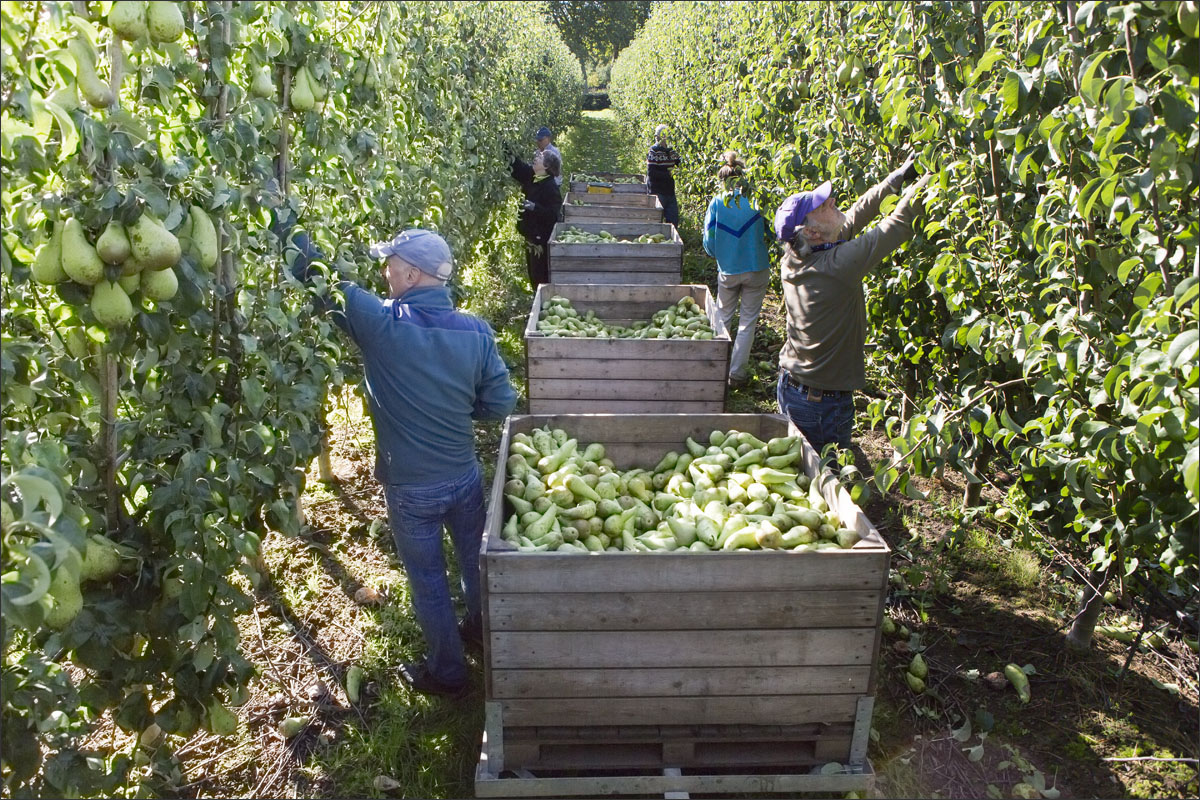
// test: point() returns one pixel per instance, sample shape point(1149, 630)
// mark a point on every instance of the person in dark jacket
point(659, 180)
point(540, 211)
point(430, 370)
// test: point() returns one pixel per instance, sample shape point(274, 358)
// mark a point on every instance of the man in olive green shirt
point(827, 254)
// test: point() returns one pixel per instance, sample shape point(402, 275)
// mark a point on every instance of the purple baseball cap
point(791, 214)
point(424, 249)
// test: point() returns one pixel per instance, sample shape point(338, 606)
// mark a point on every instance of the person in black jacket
point(539, 212)
point(659, 180)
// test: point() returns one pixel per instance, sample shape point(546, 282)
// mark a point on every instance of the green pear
point(130, 283)
point(262, 85)
point(164, 22)
point(128, 19)
point(66, 599)
point(918, 667)
point(95, 91)
point(111, 305)
point(315, 86)
point(47, 265)
point(78, 344)
point(101, 560)
point(113, 244)
point(302, 96)
point(153, 246)
point(159, 284)
point(79, 258)
point(203, 238)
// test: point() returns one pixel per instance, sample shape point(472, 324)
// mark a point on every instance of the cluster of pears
point(307, 92)
point(130, 20)
point(100, 562)
point(365, 74)
point(145, 251)
point(136, 19)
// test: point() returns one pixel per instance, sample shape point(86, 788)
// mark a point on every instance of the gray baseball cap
point(424, 249)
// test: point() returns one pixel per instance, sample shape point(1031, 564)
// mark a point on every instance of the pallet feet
point(676, 783)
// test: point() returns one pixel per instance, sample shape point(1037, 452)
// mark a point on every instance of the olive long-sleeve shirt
point(823, 292)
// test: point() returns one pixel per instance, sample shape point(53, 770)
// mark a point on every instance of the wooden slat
point(679, 682)
point(661, 733)
point(672, 572)
point(625, 261)
point(639, 277)
point(757, 784)
point(788, 709)
point(660, 296)
point(552, 405)
point(603, 214)
point(618, 368)
point(593, 199)
point(542, 347)
point(627, 389)
point(651, 427)
point(678, 649)
point(624, 229)
point(710, 610)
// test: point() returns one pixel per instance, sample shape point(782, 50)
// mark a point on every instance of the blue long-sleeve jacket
point(430, 370)
point(733, 234)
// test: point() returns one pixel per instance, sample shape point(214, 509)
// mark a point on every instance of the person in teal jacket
point(733, 235)
point(430, 371)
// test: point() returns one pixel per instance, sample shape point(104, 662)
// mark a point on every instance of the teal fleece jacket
point(733, 234)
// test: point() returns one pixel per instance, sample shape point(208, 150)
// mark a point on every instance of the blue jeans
point(829, 419)
point(670, 208)
point(416, 513)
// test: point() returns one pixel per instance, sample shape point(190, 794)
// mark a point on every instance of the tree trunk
point(1080, 636)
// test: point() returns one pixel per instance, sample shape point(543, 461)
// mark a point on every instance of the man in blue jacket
point(430, 370)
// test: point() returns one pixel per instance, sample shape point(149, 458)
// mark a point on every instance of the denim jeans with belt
point(823, 416)
point(416, 513)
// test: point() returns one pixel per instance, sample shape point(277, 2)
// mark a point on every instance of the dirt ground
point(966, 615)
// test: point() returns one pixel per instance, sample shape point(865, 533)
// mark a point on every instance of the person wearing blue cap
point(734, 234)
point(827, 254)
point(543, 140)
point(430, 370)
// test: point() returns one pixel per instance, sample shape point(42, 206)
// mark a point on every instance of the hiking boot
point(471, 632)
point(738, 381)
point(419, 679)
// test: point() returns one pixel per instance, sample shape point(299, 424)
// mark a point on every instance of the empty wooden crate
point(628, 660)
point(609, 183)
point(593, 375)
point(617, 262)
point(611, 208)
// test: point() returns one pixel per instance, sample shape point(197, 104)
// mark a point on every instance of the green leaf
point(1091, 84)
point(1184, 348)
point(1013, 92)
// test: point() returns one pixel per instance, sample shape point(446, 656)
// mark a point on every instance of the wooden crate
point(617, 262)
point(613, 208)
point(606, 185)
point(585, 375)
point(670, 660)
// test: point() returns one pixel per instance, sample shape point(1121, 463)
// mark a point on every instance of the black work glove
point(910, 169)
